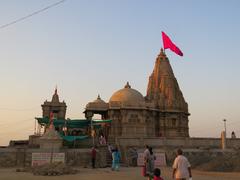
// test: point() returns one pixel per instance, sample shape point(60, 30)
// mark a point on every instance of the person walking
point(93, 155)
point(134, 157)
point(181, 167)
point(150, 164)
point(116, 159)
point(146, 155)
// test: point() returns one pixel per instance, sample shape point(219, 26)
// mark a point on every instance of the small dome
point(99, 100)
point(127, 95)
point(97, 104)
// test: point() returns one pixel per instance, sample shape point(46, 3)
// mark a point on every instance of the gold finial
point(99, 97)
point(127, 85)
point(162, 53)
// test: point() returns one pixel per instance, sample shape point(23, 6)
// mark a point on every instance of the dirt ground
point(107, 174)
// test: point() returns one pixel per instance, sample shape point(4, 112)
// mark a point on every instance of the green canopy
point(74, 123)
point(74, 138)
point(95, 121)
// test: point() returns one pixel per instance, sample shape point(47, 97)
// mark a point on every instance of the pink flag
point(168, 44)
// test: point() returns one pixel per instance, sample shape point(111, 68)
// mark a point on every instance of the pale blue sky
point(90, 47)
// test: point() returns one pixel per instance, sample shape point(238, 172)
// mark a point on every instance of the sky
point(94, 47)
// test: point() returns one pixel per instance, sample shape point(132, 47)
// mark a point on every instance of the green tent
point(74, 138)
point(74, 123)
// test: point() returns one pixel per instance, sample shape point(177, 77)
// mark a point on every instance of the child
point(157, 173)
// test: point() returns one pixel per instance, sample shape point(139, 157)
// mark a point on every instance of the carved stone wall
point(131, 123)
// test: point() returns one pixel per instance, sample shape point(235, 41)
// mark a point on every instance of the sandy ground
point(107, 174)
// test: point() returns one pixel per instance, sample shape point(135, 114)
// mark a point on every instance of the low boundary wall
point(195, 143)
point(192, 147)
point(14, 157)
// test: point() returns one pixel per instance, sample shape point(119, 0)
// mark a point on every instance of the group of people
point(181, 166)
point(115, 155)
point(148, 169)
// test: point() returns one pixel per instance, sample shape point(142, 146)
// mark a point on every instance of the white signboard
point(140, 159)
point(45, 158)
point(160, 159)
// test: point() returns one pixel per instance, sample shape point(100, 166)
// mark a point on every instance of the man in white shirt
point(181, 167)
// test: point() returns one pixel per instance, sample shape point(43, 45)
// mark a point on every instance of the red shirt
point(157, 178)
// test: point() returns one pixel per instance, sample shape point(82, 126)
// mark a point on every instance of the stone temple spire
point(54, 106)
point(163, 89)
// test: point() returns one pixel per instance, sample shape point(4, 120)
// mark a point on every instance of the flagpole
point(162, 42)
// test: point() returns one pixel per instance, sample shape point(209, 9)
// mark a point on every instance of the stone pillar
point(223, 140)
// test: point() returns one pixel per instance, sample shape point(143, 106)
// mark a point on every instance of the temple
point(70, 130)
point(128, 120)
point(55, 106)
point(163, 112)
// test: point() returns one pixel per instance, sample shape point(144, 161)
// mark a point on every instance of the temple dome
point(99, 100)
point(127, 95)
point(97, 104)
